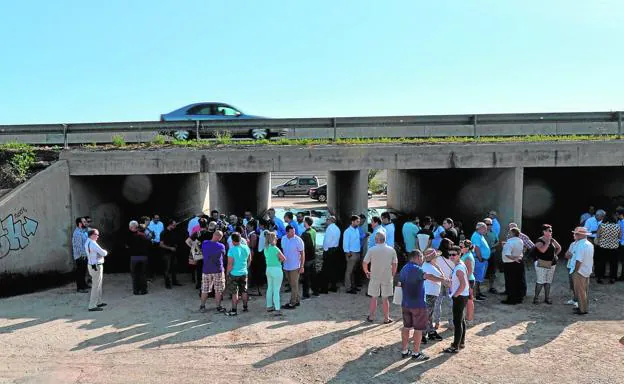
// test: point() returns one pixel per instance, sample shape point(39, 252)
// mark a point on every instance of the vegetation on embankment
point(20, 161)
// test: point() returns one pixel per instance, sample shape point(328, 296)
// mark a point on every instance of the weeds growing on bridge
point(16, 162)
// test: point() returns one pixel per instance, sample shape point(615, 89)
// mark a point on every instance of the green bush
point(119, 141)
point(159, 140)
point(375, 186)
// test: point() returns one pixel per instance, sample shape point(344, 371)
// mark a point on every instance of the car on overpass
point(320, 193)
point(218, 111)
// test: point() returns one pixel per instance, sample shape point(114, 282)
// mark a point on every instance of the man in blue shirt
point(377, 227)
point(289, 219)
point(352, 249)
point(482, 253)
point(410, 230)
point(79, 238)
point(413, 305)
point(239, 259)
point(280, 230)
point(389, 227)
point(496, 228)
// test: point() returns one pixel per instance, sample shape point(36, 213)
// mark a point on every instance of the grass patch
point(15, 146)
point(159, 140)
point(119, 141)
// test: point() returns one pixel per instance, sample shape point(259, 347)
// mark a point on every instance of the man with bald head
point(383, 262)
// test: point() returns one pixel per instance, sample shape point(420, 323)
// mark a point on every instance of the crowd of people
point(430, 265)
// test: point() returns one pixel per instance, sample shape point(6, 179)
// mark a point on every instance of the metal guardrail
point(335, 123)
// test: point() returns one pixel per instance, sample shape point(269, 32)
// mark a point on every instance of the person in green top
point(274, 258)
point(310, 279)
point(239, 258)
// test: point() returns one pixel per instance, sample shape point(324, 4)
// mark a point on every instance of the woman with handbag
point(546, 251)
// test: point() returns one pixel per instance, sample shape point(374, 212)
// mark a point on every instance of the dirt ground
point(50, 337)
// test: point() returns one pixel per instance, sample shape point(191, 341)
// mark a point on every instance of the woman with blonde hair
point(274, 259)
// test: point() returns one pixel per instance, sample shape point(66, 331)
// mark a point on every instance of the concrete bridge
point(531, 182)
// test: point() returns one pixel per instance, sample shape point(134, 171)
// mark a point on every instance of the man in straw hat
point(580, 264)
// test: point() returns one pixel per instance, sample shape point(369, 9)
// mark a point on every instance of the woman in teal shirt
point(274, 258)
point(468, 258)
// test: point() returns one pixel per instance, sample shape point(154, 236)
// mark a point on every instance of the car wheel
point(322, 198)
point(259, 134)
point(281, 193)
point(181, 135)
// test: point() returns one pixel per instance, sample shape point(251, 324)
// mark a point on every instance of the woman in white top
point(95, 255)
point(459, 294)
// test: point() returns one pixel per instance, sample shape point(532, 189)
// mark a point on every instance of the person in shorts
point(239, 258)
point(383, 261)
point(213, 278)
point(413, 306)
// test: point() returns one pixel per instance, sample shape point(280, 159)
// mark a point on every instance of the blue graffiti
point(16, 235)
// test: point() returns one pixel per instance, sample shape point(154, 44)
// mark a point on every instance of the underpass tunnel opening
point(112, 201)
point(465, 195)
point(559, 196)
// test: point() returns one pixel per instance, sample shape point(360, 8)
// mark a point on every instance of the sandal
point(388, 321)
point(450, 349)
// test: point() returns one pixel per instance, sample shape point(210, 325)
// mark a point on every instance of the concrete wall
point(346, 158)
point(36, 224)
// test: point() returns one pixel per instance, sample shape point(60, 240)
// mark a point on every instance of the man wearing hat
point(496, 228)
point(581, 263)
point(492, 239)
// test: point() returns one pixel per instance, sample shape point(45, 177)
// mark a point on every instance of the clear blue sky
point(119, 60)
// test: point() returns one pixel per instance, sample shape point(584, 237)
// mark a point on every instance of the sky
point(125, 60)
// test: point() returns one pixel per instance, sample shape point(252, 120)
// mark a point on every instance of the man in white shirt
point(331, 253)
point(293, 249)
point(352, 249)
point(593, 223)
point(388, 225)
point(156, 228)
point(515, 281)
point(583, 255)
point(95, 258)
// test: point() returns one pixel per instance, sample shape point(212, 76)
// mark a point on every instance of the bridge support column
point(404, 190)
point(236, 192)
point(347, 193)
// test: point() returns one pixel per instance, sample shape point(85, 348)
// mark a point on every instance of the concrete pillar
point(347, 193)
point(404, 190)
point(237, 192)
point(511, 184)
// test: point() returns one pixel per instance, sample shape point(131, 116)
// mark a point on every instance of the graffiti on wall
point(18, 230)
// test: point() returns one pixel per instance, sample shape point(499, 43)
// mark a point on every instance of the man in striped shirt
point(79, 237)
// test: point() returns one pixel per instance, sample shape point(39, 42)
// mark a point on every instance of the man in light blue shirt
point(593, 223)
point(389, 227)
point(293, 249)
point(193, 223)
point(300, 223)
point(377, 227)
point(352, 249)
point(410, 231)
point(156, 227)
point(482, 253)
point(438, 231)
point(289, 219)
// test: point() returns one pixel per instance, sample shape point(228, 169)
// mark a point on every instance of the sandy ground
point(50, 337)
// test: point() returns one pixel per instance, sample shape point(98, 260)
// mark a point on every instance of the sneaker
point(202, 308)
point(289, 306)
point(570, 302)
point(232, 312)
point(245, 308)
point(406, 354)
point(221, 309)
point(479, 298)
point(96, 309)
point(434, 336)
point(420, 356)
point(493, 291)
point(101, 305)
